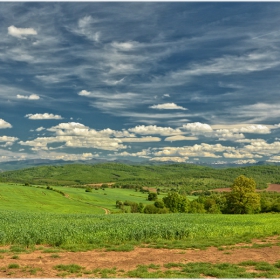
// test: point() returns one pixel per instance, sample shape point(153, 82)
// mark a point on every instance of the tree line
point(242, 199)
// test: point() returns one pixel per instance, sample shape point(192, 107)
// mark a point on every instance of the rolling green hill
point(186, 176)
point(66, 199)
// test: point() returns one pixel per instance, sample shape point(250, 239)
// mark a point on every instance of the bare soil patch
point(273, 188)
point(221, 190)
point(42, 264)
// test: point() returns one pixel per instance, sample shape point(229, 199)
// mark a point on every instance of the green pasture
point(24, 198)
point(77, 200)
point(106, 198)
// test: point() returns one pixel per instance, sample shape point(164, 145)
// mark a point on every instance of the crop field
point(188, 230)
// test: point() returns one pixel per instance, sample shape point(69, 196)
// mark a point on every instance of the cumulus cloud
point(45, 116)
point(21, 32)
point(40, 128)
point(238, 154)
point(4, 124)
point(256, 129)
point(30, 97)
point(226, 134)
point(202, 150)
point(198, 127)
point(167, 106)
point(9, 141)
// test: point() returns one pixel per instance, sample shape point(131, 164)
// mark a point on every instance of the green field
point(76, 200)
point(97, 231)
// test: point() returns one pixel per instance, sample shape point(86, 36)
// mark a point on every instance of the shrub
point(152, 196)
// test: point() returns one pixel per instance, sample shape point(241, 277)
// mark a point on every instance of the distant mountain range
point(21, 164)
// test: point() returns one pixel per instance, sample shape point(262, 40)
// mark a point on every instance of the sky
point(140, 81)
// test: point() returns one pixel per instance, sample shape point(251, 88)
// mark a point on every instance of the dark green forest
point(187, 177)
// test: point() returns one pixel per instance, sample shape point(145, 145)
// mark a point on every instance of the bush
point(159, 204)
point(152, 196)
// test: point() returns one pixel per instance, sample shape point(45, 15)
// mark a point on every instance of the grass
point(13, 265)
point(70, 268)
point(207, 270)
point(55, 256)
point(41, 200)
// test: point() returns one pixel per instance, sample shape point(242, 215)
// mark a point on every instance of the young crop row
point(66, 229)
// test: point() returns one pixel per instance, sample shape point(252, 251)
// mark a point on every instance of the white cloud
point(84, 93)
point(40, 128)
point(113, 82)
point(143, 139)
point(202, 150)
point(274, 159)
point(257, 112)
point(30, 97)
point(153, 129)
point(125, 46)
point(226, 134)
point(238, 154)
point(45, 116)
point(244, 161)
point(8, 139)
point(261, 147)
point(85, 28)
point(174, 159)
point(168, 106)
point(180, 138)
point(198, 127)
point(4, 124)
point(228, 65)
point(143, 154)
point(21, 32)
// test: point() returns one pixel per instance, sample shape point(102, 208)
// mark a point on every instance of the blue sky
point(161, 81)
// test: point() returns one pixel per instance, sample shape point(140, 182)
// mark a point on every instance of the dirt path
point(107, 211)
point(43, 263)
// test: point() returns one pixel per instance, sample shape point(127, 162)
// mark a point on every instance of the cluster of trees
point(243, 199)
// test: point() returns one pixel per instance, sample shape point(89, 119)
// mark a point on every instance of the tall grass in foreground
point(81, 229)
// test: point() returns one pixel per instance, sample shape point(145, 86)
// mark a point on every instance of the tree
point(176, 203)
point(243, 198)
point(152, 196)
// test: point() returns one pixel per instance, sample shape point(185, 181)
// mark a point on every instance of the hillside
point(187, 176)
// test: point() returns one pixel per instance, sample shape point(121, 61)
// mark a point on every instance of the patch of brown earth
point(126, 261)
point(221, 190)
point(273, 188)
